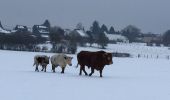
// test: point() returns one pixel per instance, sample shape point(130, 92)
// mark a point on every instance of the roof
point(42, 29)
point(21, 26)
point(4, 31)
point(82, 33)
point(116, 37)
point(41, 26)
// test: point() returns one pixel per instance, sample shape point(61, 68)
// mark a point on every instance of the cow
point(42, 60)
point(94, 60)
point(61, 60)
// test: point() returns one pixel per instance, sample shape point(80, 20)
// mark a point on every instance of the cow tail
point(33, 64)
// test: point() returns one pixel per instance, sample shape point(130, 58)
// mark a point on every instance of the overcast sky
point(148, 15)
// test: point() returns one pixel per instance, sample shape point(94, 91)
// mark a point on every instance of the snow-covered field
point(127, 79)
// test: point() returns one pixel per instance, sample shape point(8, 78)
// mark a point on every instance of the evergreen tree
point(95, 29)
point(102, 40)
point(56, 35)
point(80, 26)
point(112, 30)
point(166, 38)
point(1, 25)
point(47, 23)
point(104, 28)
point(90, 38)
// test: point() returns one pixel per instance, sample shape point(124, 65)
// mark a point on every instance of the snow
point(126, 79)
point(4, 31)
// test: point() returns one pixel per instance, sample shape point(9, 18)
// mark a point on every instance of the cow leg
point(92, 71)
point(45, 67)
point(84, 70)
point(80, 70)
point(101, 73)
point(42, 68)
point(53, 68)
point(63, 68)
point(36, 68)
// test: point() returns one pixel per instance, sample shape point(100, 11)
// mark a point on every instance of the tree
point(56, 35)
point(111, 30)
point(80, 26)
point(166, 38)
point(47, 23)
point(131, 32)
point(1, 25)
point(90, 38)
point(102, 40)
point(95, 29)
point(104, 28)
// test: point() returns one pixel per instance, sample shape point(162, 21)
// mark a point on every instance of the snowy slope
point(126, 79)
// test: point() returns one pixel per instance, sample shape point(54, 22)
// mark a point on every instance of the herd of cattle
point(94, 60)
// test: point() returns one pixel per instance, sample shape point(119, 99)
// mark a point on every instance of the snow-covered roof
point(45, 36)
point(4, 31)
point(41, 26)
point(67, 31)
point(116, 37)
point(82, 33)
point(20, 26)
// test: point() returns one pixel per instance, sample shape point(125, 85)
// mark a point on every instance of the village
point(67, 40)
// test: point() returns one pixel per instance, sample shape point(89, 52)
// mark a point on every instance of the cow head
point(68, 60)
point(108, 58)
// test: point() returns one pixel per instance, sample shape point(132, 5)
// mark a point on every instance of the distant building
point(152, 38)
point(2, 30)
point(117, 38)
point(77, 32)
point(81, 33)
point(41, 30)
point(20, 28)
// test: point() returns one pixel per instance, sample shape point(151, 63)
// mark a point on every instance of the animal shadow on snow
point(68, 74)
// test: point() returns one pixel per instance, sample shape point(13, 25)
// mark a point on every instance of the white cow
point(60, 60)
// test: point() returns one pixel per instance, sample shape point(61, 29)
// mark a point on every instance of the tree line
point(96, 34)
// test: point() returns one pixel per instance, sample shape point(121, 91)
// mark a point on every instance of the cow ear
point(65, 57)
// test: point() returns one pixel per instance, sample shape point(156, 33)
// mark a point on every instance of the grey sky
point(148, 15)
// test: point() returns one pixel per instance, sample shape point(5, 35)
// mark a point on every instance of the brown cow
point(42, 60)
point(94, 60)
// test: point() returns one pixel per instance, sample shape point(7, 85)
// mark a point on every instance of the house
point(2, 30)
point(116, 38)
point(81, 33)
point(41, 30)
point(152, 38)
point(77, 32)
point(20, 28)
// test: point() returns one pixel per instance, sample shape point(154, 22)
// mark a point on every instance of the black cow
point(94, 60)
